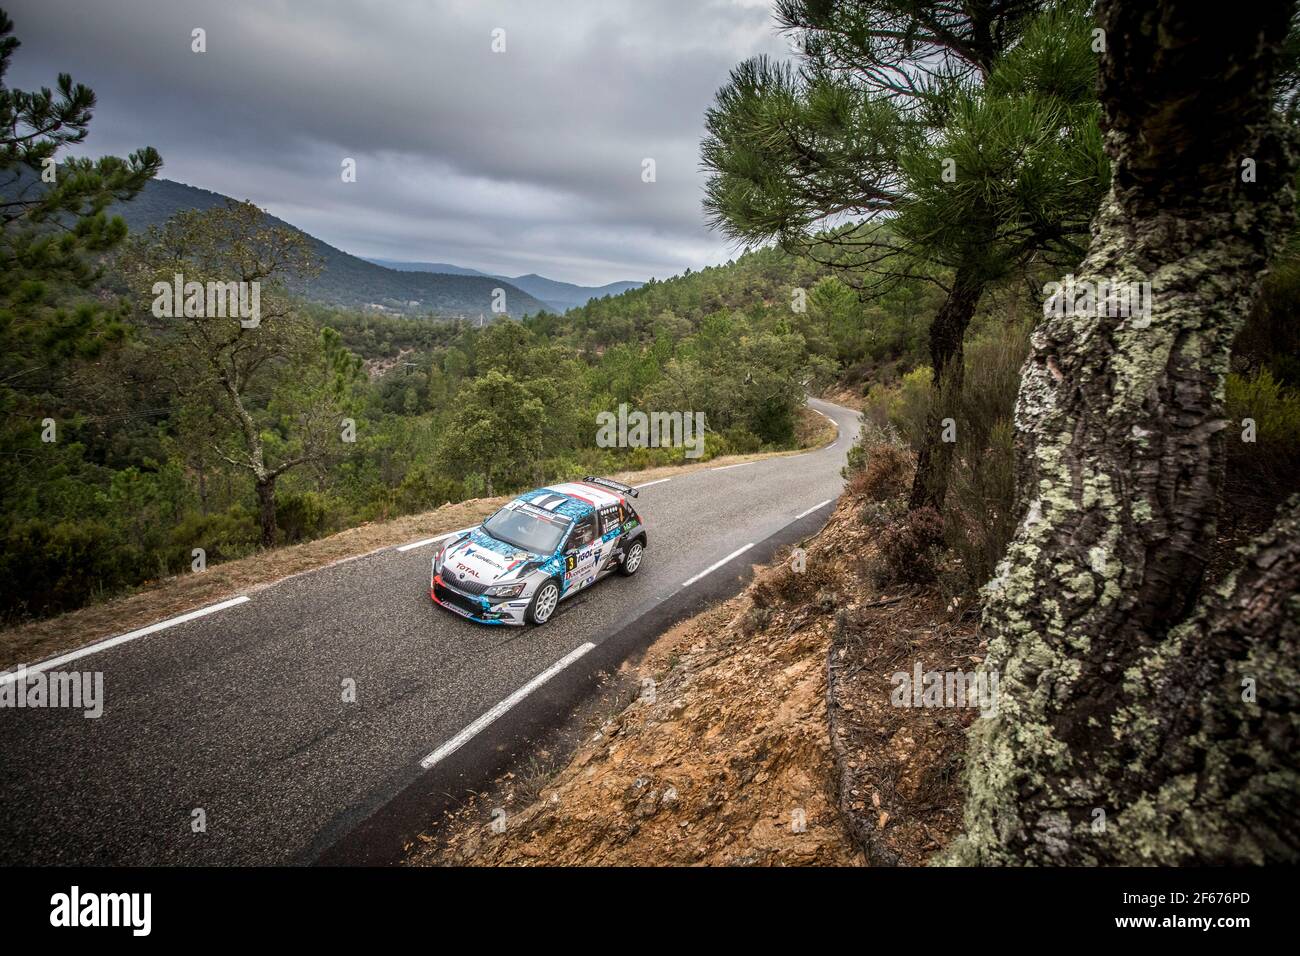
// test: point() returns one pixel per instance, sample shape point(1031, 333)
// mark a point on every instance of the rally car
point(518, 565)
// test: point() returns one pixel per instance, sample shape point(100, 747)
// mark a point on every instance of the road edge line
point(108, 642)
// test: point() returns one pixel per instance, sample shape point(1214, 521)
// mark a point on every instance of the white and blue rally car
point(519, 564)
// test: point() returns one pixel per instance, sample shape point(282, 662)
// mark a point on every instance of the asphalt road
point(240, 713)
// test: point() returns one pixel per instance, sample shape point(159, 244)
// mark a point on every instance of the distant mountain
point(565, 294)
point(560, 296)
point(348, 280)
point(446, 268)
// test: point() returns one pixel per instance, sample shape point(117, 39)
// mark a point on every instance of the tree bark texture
point(1139, 720)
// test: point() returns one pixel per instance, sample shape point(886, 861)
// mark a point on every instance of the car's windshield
point(527, 529)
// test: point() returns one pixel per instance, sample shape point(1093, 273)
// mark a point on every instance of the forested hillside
point(558, 296)
point(344, 280)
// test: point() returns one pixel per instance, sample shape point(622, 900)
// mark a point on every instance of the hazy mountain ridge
point(561, 296)
point(348, 280)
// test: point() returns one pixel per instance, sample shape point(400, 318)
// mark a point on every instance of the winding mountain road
point(240, 713)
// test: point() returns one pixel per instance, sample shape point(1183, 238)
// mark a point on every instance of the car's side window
point(583, 533)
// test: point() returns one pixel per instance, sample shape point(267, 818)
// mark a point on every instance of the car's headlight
point(437, 559)
point(506, 590)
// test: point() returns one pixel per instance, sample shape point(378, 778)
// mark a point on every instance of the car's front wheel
point(544, 602)
point(632, 559)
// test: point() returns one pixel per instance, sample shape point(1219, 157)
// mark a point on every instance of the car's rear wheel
point(544, 602)
point(632, 558)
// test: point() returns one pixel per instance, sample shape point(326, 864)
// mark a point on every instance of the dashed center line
point(713, 567)
point(739, 465)
point(478, 726)
point(804, 514)
point(426, 541)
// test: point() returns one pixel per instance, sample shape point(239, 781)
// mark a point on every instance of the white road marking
point(466, 735)
point(740, 465)
point(421, 544)
point(822, 414)
point(713, 567)
point(658, 481)
point(804, 514)
point(832, 444)
point(121, 639)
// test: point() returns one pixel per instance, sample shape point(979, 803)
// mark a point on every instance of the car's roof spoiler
point(612, 485)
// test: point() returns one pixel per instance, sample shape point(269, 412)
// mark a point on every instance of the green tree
point(496, 432)
point(278, 388)
point(951, 142)
point(54, 229)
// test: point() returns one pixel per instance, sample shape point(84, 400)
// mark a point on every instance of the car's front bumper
point(476, 608)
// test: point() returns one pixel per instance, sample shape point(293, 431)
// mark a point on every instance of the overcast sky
point(528, 160)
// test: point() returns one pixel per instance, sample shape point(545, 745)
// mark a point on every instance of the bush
point(909, 548)
point(979, 510)
point(423, 489)
point(785, 585)
point(50, 567)
point(886, 474)
point(980, 515)
point(301, 516)
point(741, 441)
point(1265, 471)
point(1270, 337)
point(901, 407)
point(223, 536)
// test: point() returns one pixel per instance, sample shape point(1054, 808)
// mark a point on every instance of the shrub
point(1263, 471)
point(742, 441)
point(53, 566)
point(886, 474)
point(223, 536)
point(901, 407)
point(908, 549)
point(424, 488)
point(980, 515)
point(783, 584)
point(301, 516)
point(979, 510)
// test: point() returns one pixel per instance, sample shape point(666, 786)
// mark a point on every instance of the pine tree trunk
point(266, 510)
point(947, 335)
point(1121, 733)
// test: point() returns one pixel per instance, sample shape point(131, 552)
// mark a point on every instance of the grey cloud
point(517, 162)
